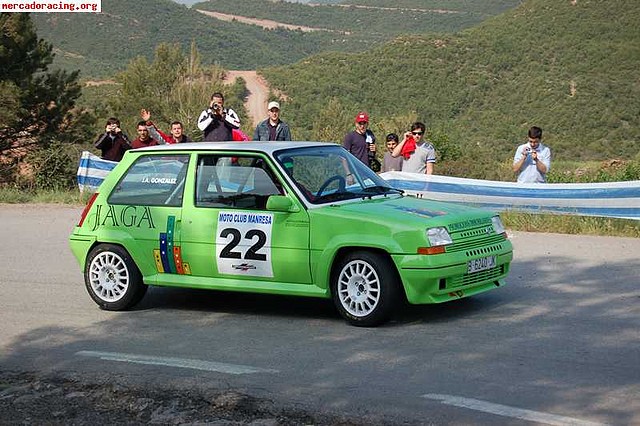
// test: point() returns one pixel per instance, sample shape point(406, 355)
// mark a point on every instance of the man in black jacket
point(113, 142)
point(218, 122)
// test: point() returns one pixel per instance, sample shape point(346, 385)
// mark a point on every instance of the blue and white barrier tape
point(92, 171)
point(609, 199)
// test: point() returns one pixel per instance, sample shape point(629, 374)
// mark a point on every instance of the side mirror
point(281, 203)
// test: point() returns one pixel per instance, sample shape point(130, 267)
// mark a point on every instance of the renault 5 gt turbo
point(288, 218)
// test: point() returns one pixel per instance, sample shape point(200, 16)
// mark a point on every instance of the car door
point(143, 211)
point(228, 234)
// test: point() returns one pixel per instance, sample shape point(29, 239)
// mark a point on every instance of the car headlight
point(497, 225)
point(438, 236)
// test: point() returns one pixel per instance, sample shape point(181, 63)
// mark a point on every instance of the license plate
point(481, 264)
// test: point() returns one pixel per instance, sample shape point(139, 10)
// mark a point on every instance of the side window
point(237, 182)
point(153, 180)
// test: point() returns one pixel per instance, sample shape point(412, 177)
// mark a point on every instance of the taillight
point(87, 208)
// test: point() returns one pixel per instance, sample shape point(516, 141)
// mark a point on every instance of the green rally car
point(291, 218)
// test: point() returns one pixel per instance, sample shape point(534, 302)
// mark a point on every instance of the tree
point(173, 86)
point(37, 107)
point(331, 122)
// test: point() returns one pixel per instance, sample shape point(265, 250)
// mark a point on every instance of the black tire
point(112, 278)
point(365, 288)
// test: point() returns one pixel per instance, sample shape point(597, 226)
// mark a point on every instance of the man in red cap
point(361, 142)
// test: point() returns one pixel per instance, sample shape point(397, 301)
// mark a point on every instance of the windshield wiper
point(379, 189)
point(334, 196)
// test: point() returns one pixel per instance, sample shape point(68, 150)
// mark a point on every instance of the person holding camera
point(218, 122)
point(113, 142)
point(418, 155)
point(532, 160)
point(361, 142)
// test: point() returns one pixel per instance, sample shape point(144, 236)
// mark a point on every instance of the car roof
point(266, 147)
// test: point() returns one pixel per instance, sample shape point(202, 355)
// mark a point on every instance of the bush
point(591, 172)
point(53, 167)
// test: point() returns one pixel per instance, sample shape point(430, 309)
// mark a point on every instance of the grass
point(17, 196)
point(514, 221)
point(564, 224)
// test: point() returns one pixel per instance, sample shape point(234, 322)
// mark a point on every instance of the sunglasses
point(362, 123)
point(417, 133)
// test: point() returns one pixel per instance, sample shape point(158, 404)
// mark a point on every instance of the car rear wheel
point(364, 287)
point(112, 278)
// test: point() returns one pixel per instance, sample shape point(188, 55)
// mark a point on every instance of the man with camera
point(218, 122)
point(532, 160)
point(113, 142)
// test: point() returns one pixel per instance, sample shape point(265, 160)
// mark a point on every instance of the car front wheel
point(365, 288)
point(112, 278)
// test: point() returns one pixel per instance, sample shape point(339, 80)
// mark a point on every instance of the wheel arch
point(343, 251)
point(136, 262)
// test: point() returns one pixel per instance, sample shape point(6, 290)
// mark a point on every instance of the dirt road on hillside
point(256, 101)
point(264, 23)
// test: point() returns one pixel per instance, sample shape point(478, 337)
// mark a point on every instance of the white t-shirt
point(529, 173)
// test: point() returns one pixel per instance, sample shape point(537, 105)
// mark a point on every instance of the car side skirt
point(240, 285)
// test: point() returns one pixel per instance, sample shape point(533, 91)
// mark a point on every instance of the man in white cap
point(272, 129)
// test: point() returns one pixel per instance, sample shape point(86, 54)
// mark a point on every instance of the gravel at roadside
point(28, 399)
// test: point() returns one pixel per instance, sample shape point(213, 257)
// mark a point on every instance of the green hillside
point(100, 44)
point(569, 68)
point(373, 20)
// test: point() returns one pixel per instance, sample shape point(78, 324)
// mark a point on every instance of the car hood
point(412, 211)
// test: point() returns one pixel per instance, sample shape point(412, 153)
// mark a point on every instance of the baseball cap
point(273, 104)
point(362, 116)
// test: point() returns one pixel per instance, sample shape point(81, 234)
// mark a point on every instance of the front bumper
point(439, 284)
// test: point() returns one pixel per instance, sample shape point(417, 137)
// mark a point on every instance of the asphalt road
point(560, 344)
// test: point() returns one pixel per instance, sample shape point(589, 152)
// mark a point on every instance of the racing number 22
point(252, 252)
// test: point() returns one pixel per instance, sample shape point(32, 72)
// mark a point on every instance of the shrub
point(53, 167)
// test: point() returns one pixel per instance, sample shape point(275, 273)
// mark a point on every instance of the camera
point(216, 107)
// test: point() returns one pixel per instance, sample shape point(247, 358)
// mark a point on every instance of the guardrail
point(608, 199)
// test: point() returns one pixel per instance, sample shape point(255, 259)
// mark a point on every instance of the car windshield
point(326, 174)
